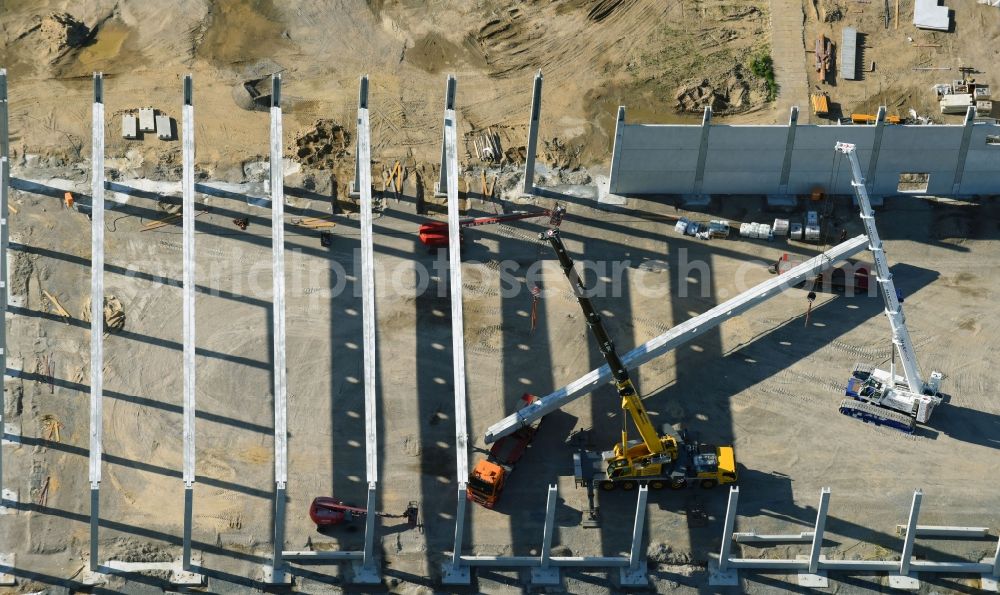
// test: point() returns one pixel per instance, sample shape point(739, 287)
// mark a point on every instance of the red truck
point(489, 476)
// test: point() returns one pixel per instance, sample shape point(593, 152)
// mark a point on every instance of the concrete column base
point(904, 582)
point(275, 576)
point(722, 578)
point(455, 575)
point(8, 502)
point(633, 577)
point(813, 581)
point(11, 433)
point(362, 574)
point(989, 583)
point(7, 561)
point(545, 576)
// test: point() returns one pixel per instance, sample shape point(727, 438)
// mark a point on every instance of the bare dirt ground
point(766, 381)
point(899, 49)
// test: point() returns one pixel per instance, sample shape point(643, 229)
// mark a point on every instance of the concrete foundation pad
point(455, 575)
point(904, 582)
point(11, 433)
point(615, 200)
point(7, 503)
point(275, 576)
point(545, 576)
point(362, 574)
point(7, 562)
point(693, 202)
point(92, 578)
point(989, 583)
point(633, 577)
point(722, 578)
point(813, 581)
point(187, 578)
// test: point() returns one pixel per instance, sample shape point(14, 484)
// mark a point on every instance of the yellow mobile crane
point(660, 460)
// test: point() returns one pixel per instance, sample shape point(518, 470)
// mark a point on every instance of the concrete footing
point(362, 574)
point(633, 577)
point(989, 584)
point(11, 433)
point(722, 578)
point(8, 501)
point(813, 580)
point(275, 576)
point(7, 561)
point(904, 582)
point(546, 576)
point(455, 575)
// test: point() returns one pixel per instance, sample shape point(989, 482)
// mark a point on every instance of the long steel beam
point(677, 336)
point(187, 209)
point(278, 317)
point(96, 312)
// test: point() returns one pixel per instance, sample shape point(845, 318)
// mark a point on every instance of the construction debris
point(824, 53)
point(114, 314)
point(59, 307)
point(51, 427)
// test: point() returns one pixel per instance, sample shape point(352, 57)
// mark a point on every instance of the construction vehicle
point(435, 233)
point(659, 460)
point(870, 119)
point(489, 476)
point(878, 396)
point(326, 512)
point(849, 278)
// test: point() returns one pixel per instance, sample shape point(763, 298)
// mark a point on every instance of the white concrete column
point(536, 109)
point(96, 311)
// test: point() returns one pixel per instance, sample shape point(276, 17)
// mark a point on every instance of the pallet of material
point(849, 54)
point(147, 119)
point(163, 128)
point(927, 14)
point(130, 127)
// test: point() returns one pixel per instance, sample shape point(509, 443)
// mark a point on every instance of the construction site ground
point(768, 381)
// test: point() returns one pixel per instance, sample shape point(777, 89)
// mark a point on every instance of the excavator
point(659, 460)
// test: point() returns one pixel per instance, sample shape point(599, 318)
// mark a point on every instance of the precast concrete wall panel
point(739, 159)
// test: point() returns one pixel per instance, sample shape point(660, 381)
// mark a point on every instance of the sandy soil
point(899, 49)
point(766, 381)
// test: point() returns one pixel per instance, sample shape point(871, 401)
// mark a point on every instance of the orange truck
point(489, 476)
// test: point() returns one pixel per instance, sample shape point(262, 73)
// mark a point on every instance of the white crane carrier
point(878, 396)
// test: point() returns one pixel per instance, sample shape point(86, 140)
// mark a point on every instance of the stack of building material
point(928, 15)
point(824, 53)
point(147, 119)
point(849, 54)
point(780, 227)
point(130, 126)
point(163, 128)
